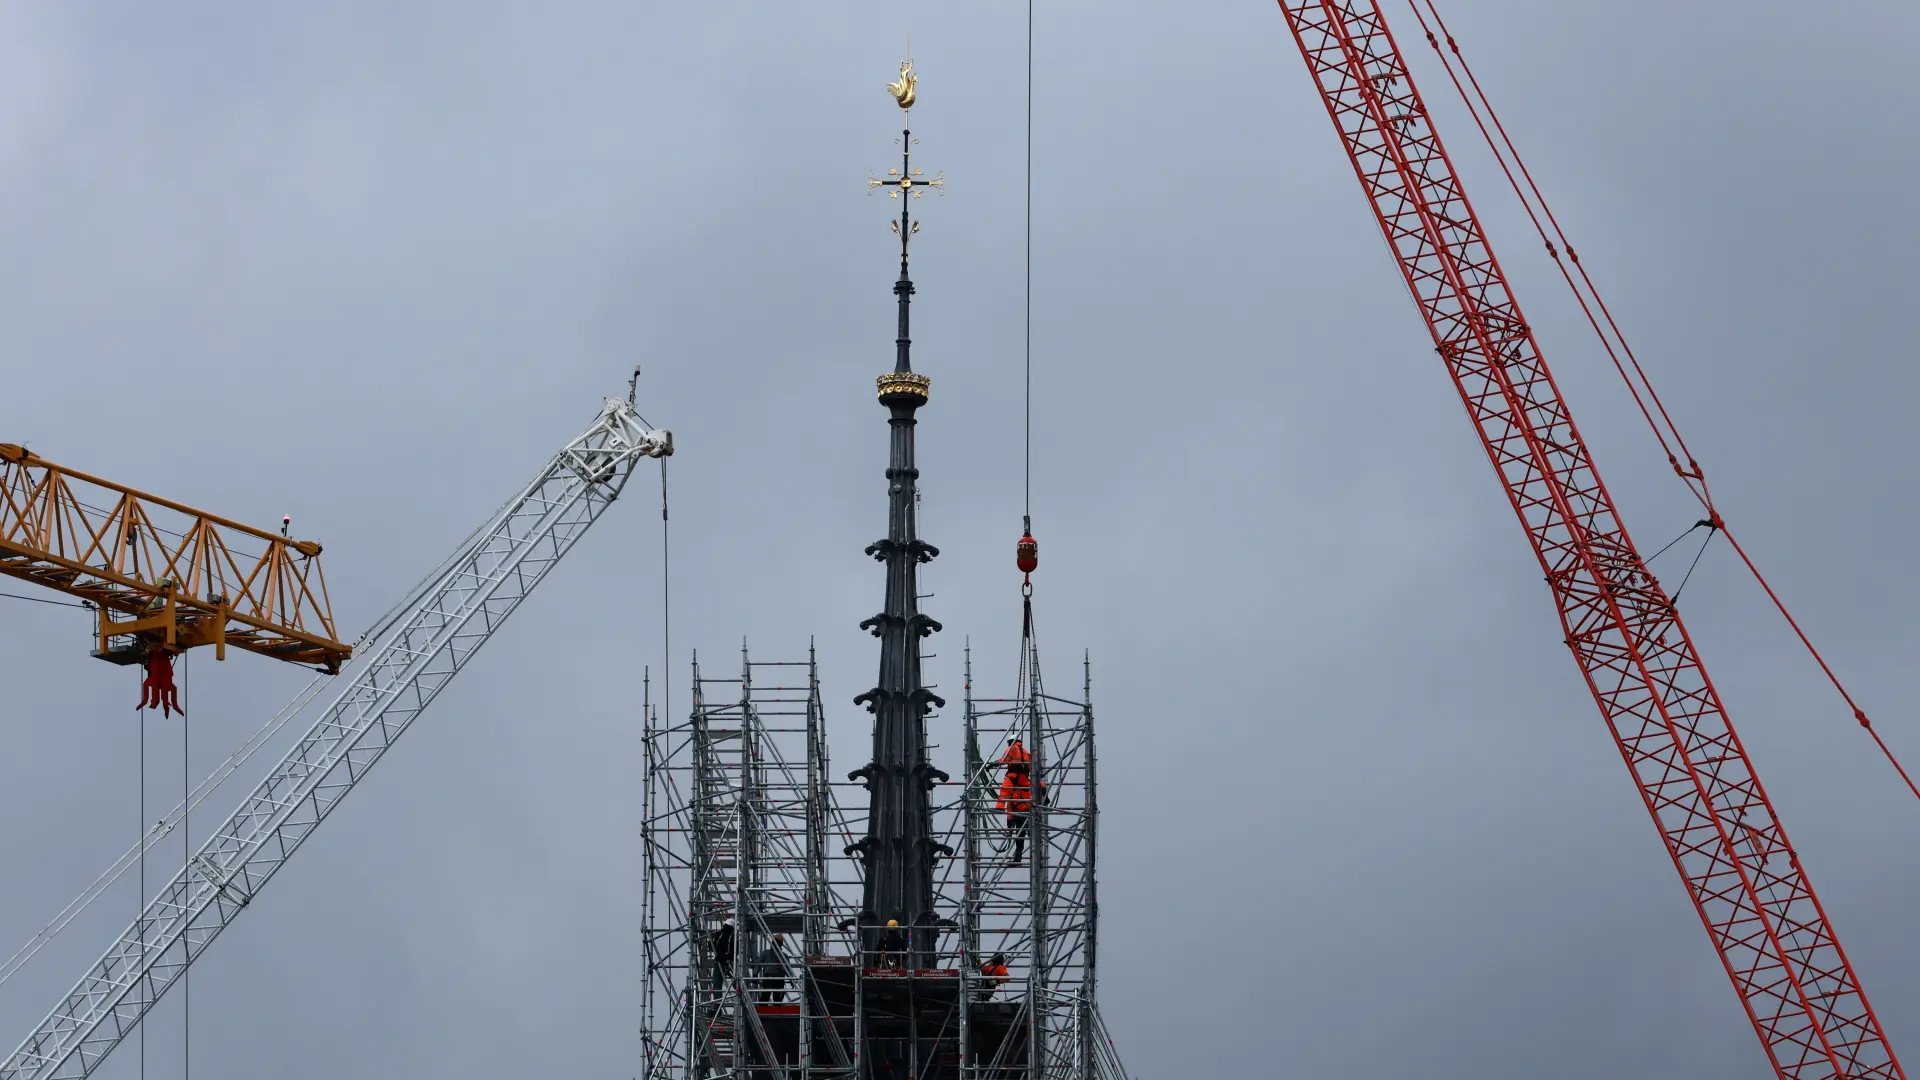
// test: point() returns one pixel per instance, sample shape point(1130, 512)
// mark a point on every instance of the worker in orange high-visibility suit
point(993, 974)
point(1016, 801)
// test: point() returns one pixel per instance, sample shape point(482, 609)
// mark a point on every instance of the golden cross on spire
point(906, 182)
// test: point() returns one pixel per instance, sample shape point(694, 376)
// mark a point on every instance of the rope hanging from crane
point(1600, 318)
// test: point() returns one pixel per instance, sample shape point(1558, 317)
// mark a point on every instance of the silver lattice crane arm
point(422, 648)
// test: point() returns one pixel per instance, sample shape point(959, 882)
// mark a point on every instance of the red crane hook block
point(157, 690)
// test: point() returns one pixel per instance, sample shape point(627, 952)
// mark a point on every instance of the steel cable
point(1027, 497)
point(1691, 474)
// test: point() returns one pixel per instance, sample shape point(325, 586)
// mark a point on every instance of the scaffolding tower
point(1029, 899)
point(739, 815)
point(744, 826)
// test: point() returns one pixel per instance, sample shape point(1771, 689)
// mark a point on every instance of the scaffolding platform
point(896, 1010)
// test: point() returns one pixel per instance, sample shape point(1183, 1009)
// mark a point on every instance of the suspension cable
point(140, 900)
point(42, 600)
point(186, 856)
point(666, 603)
point(1503, 148)
point(1027, 551)
point(1595, 308)
point(1027, 501)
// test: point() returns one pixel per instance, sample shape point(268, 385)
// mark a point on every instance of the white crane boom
point(421, 649)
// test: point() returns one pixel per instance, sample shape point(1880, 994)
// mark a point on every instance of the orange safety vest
point(1016, 794)
point(1016, 791)
point(995, 974)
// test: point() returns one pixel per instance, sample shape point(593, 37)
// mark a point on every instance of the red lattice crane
point(163, 577)
point(1743, 876)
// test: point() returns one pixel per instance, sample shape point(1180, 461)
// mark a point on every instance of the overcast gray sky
point(370, 264)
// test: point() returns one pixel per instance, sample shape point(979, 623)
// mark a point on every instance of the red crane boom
point(1718, 825)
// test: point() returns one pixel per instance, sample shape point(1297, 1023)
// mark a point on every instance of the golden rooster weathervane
point(902, 90)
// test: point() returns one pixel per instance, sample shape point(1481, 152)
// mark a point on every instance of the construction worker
point(993, 974)
point(1016, 801)
point(892, 944)
point(722, 946)
point(770, 972)
point(1016, 794)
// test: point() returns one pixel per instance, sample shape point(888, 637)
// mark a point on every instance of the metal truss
point(1744, 877)
point(415, 654)
point(182, 576)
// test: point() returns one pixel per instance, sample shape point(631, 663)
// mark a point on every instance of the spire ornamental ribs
point(899, 850)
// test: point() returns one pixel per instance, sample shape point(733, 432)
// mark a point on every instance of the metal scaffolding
point(744, 829)
point(739, 821)
point(1029, 897)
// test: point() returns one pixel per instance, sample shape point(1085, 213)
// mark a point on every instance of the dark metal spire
point(899, 849)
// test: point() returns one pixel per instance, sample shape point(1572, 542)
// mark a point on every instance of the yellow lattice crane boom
point(163, 577)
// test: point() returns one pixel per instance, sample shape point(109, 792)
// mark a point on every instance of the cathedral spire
point(899, 849)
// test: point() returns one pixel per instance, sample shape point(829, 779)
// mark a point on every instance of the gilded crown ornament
point(898, 386)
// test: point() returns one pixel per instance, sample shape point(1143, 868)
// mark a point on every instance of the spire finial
point(905, 183)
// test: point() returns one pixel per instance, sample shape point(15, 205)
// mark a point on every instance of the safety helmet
point(893, 923)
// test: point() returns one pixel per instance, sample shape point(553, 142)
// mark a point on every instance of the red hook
point(157, 690)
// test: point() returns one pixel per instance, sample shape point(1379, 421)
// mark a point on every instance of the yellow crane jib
point(162, 576)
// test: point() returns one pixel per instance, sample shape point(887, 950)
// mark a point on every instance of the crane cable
point(666, 602)
point(43, 600)
point(1027, 501)
point(140, 898)
point(186, 858)
point(1027, 551)
point(1664, 429)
